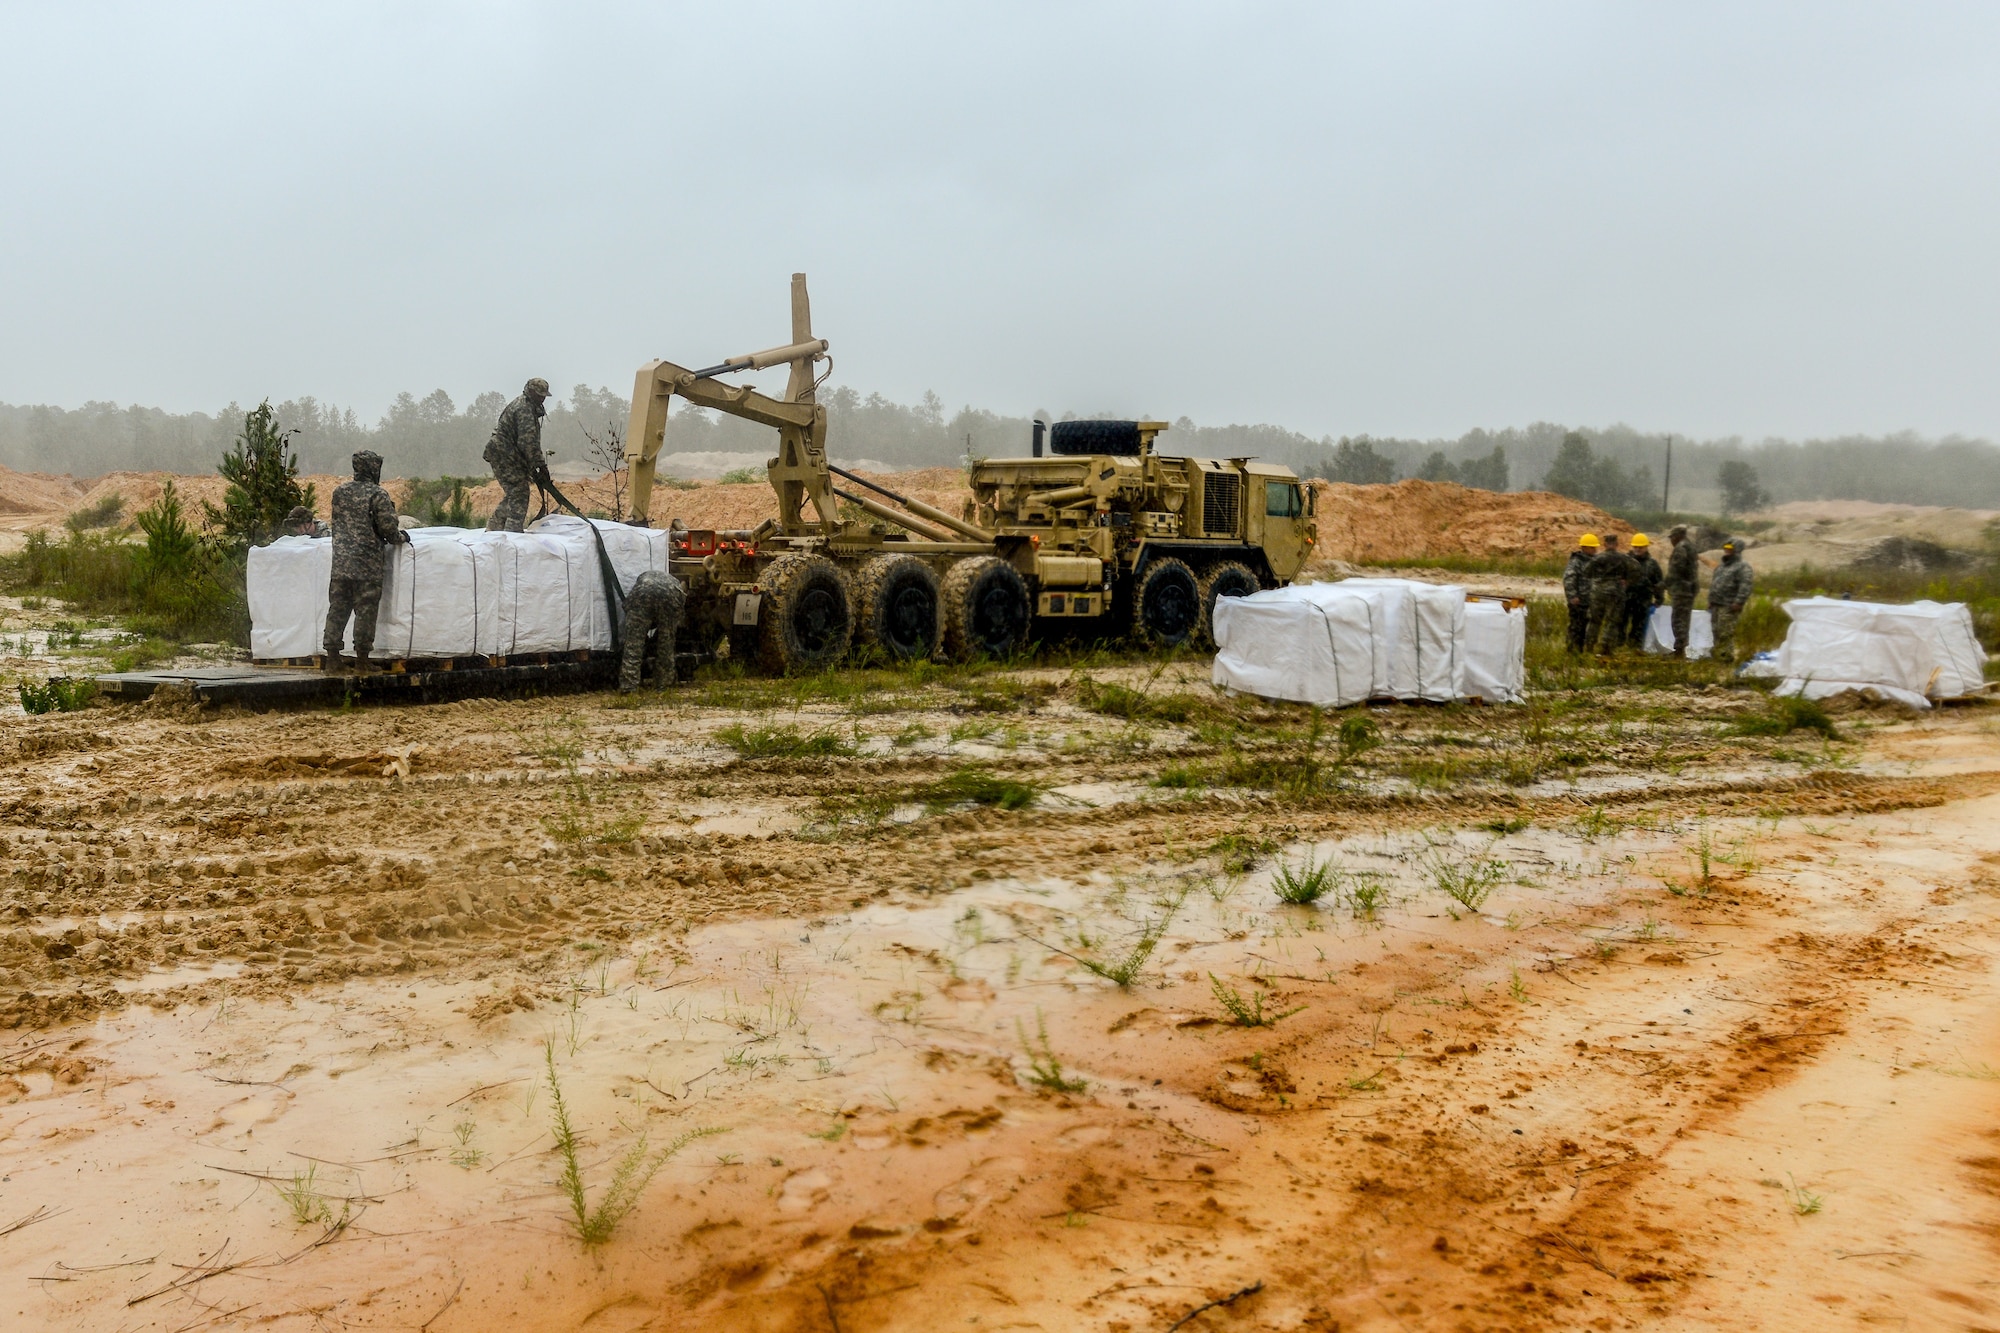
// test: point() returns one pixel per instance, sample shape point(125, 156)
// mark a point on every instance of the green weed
point(57, 694)
point(1306, 884)
point(1782, 715)
point(1466, 880)
point(1045, 1071)
point(1244, 1013)
point(635, 1170)
point(977, 786)
point(785, 742)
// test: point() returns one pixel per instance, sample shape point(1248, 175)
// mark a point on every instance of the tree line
point(1616, 466)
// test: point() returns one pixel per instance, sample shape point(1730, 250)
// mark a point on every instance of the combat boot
point(1680, 654)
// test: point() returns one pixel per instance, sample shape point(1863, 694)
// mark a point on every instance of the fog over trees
point(1614, 465)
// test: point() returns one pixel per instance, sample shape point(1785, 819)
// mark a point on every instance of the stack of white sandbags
point(1333, 644)
point(457, 592)
point(1912, 653)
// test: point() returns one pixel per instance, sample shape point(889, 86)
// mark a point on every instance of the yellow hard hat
point(1641, 539)
point(1588, 539)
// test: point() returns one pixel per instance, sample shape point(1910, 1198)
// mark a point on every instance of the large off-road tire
point(806, 621)
point(896, 607)
point(1166, 605)
point(1231, 578)
point(986, 609)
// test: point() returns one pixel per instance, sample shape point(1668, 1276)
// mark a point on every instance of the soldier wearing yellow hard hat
point(1575, 591)
point(1644, 592)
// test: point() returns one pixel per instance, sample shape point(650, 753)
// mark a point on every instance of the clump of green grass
point(308, 1204)
point(1179, 777)
point(1240, 852)
point(1466, 880)
point(464, 1155)
point(1244, 1013)
point(1366, 895)
point(1703, 856)
point(1804, 1201)
point(57, 694)
point(977, 786)
point(1359, 733)
point(1783, 715)
point(103, 514)
point(635, 1170)
point(1045, 1071)
point(785, 742)
point(1305, 884)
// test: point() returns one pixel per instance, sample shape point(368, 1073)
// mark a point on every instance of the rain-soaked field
point(970, 999)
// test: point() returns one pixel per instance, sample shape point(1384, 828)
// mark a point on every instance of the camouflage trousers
point(1606, 629)
point(1724, 619)
point(653, 608)
point(1638, 610)
point(1579, 616)
point(1683, 617)
point(511, 515)
point(359, 598)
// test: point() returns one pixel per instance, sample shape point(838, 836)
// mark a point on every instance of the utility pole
point(1667, 485)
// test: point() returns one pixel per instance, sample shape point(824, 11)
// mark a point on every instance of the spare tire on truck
point(986, 609)
point(896, 607)
point(806, 621)
point(1166, 604)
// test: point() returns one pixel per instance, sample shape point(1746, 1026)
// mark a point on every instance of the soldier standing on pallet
point(1683, 582)
point(1728, 594)
point(364, 521)
point(1644, 593)
point(1576, 588)
point(515, 455)
point(652, 607)
point(1610, 574)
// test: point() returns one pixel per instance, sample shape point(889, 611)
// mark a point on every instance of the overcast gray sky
point(1394, 218)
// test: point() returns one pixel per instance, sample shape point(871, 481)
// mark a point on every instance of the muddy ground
point(966, 999)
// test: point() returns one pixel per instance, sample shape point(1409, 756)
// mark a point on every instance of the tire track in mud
point(295, 880)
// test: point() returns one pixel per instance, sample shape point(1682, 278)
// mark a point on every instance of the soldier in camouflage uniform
point(515, 455)
point(1682, 583)
point(652, 607)
point(1609, 575)
point(364, 520)
point(1644, 593)
point(1728, 594)
point(301, 523)
point(1576, 588)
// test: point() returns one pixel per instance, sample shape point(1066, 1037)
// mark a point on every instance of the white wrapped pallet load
point(286, 584)
point(455, 592)
point(1912, 653)
point(1419, 628)
point(1305, 644)
point(1660, 633)
point(1494, 651)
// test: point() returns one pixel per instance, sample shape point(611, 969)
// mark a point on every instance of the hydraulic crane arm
point(799, 472)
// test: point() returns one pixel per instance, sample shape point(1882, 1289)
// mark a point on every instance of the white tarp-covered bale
point(1912, 653)
point(1298, 643)
point(1333, 644)
point(1495, 651)
point(1660, 633)
point(455, 592)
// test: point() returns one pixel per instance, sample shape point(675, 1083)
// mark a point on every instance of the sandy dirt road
point(284, 992)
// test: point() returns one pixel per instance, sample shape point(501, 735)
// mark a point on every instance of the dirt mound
point(36, 492)
point(1413, 520)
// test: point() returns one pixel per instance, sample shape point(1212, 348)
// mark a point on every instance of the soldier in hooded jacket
point(652, 609)
point(364, 521)
point(1728, 593)
point(515, 455)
